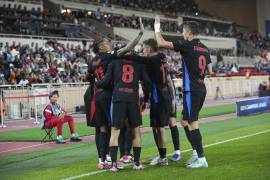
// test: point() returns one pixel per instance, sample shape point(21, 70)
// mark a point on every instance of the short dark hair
point(152, 43)
point(193, 26)
point(53, 93)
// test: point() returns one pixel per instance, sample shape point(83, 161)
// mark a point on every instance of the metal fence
point(29, 102)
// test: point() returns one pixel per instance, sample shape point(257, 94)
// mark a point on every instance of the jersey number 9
point(202, 64)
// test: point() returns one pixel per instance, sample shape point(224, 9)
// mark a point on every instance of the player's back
point(98, 68)
point(126, 76)
point(195, 58)
point(156, 67)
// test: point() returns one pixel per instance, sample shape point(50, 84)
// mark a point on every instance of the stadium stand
point(23, 63)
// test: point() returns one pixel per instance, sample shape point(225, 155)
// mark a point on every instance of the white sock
point(202, 159)
point(99, 160)
point(194, 153)
point(177, 152)
point(59, 137)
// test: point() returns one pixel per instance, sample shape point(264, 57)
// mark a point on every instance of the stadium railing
point(41, 40)
point(28, 102)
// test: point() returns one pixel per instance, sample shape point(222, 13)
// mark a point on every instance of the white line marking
point(187, 150)
point(25, 147)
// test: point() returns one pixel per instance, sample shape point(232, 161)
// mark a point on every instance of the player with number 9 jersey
point(195, 58)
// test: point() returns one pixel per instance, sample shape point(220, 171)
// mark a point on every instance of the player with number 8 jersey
point(125, 76)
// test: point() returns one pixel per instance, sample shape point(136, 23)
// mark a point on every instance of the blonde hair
point(104, 46)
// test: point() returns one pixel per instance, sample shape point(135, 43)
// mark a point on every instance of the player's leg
point(194, 155)
point(126, 144)
point(122, 141)
point(104, 127)
point(114, 147)
point(98, 120)
point(175, 135)
point(129, 139)
point(197, 99)
point(153, 124)
point(162, 141)
point(135, 121)
point(163, 121)
point(137, 149)
point(97, 136)
point(119, 111)
point(184, 123)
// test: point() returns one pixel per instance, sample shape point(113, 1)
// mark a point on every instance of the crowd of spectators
point(171, 8)
point(52, 63)
point(18, 20)
point(255, 40)
point(55, 63)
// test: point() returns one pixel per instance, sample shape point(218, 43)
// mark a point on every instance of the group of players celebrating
point(114, 105)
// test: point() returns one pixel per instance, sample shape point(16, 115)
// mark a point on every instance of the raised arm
point(160, 40)
point(132, 43)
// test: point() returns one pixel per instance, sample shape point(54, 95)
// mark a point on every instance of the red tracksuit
point(52, 120)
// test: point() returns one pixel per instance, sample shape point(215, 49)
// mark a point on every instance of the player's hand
point(157, 19)
point(157, 24)
point(141, 25)
point(61, 116)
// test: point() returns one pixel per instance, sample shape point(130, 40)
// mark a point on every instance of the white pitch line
point(187, 150)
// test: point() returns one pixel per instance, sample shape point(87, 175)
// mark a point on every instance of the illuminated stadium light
point(89, 13)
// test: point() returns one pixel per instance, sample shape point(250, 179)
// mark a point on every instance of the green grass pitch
point(245, 158)
point(36, 134)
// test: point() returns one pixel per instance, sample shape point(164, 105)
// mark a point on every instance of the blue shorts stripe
point(111, 111)
point(188, 101)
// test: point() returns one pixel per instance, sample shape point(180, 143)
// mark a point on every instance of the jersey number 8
point(127, 75)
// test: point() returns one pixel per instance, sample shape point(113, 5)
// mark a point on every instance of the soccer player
point(161, 97)
point(102, 96)
point(125, 76)
point(195, 60)
point(55, 116)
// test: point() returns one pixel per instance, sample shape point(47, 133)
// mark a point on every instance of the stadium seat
point(48, 135)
